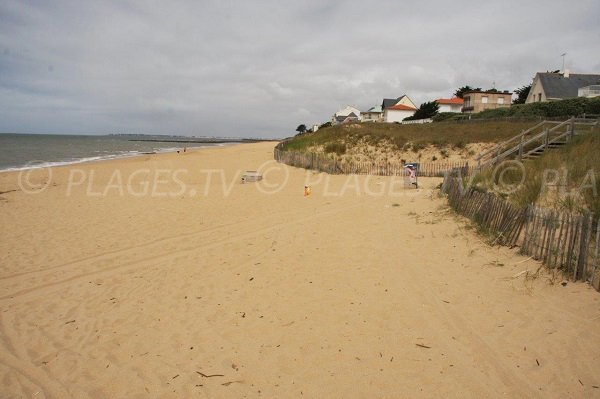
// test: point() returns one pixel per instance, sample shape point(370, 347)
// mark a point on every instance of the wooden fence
point(562, 240)
point(334, 165)
point(491, 212)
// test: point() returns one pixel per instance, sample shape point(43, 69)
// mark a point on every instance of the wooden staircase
point(533, 142)
point(537, 153)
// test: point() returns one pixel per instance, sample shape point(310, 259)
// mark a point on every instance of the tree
point(462, 90)
point(426, 110)
point(301, 128)
point(522, 94)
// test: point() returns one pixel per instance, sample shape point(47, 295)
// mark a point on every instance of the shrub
point(399, 142)
point(554, 109)
point(418, 146)
point(439, 142)
point(338, 148)
point(442, 116)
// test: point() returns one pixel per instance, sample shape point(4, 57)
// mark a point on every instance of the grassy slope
point(439, 134)
point(578, 161)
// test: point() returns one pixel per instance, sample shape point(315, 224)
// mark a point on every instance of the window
point(484, 100)
point(500, 100)
point(467, 101)
point(540, 97)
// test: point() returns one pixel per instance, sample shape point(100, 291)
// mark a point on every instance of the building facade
point(453, 104)
point(477, 101)
point(396, 109)
point(397, 113)
point(374, 114)
point(589, 91)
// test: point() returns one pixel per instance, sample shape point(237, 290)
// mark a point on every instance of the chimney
point(566, 73)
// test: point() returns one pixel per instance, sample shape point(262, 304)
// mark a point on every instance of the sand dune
point(179, 281)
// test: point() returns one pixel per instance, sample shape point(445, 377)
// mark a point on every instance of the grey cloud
point(261, 68)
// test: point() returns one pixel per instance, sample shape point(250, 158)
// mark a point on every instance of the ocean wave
point(102, 155)
point(38, 164)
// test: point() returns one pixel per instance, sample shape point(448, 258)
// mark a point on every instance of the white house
point(395, 110)
point(589, 91)
point(345, 115)
point(453, 104)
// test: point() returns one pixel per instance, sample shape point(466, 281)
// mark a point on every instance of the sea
point(25, 151)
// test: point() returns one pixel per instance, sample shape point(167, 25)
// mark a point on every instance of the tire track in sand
point(122, 250)
point(10, 357)
point(160, 257)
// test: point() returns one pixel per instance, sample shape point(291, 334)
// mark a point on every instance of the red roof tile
point(453, 100)
point(401, 107)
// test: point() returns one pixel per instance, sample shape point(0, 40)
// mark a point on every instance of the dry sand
point(363, 289)
point(387, 152)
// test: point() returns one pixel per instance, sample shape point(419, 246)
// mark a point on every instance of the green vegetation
point(462, 90)
point(425, 111)
point(405, 137)
point(522, 94)
point(301, 128)
point(442, 116)
point(555, 109)
point(566, 178)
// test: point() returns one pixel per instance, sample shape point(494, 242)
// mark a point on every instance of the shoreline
point(112, 157)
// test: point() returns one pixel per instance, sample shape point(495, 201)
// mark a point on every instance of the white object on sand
point(251, 175)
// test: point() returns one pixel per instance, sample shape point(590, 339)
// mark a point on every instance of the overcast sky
point(258, 69)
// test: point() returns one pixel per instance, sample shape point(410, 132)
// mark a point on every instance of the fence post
point(572, 133)
point(594, 262)
point(582, 255)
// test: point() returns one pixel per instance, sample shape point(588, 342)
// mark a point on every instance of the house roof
point(375, 109)
point(388, 102)
point(342, 118)
point(401, 107)
point(502, 92)
point(450, 101)
point(557, 86)
point(347, 111)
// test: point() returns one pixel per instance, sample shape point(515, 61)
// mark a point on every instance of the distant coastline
point(202, 140)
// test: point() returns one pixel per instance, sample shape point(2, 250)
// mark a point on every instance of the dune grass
point(571, 174)
point(442, 134)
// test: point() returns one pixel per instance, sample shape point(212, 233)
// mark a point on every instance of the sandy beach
point(164, 276)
